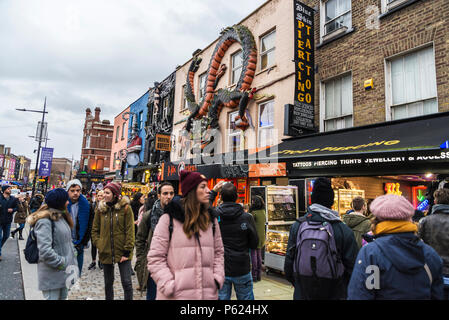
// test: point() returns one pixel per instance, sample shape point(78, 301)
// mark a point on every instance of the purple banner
point(45, 162)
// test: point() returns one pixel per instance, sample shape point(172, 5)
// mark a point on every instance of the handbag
point(31, 251)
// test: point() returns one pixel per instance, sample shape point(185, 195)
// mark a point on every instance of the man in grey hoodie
point(320, 211)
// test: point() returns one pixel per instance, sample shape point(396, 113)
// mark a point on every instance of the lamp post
point(40, 140)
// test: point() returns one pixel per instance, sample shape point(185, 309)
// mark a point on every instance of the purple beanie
point(392, 207)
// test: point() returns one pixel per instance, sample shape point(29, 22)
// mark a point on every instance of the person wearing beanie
point(113, 235)
point(186, 257)
point(320, 211)
point(434, 231)
point(81, 212)
point(52, 227)
point(397, 265)
point(8, 206)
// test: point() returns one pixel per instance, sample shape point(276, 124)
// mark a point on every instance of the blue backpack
point(316, 252)
point(31, 251)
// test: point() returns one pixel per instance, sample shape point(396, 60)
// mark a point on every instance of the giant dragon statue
point(214, 100)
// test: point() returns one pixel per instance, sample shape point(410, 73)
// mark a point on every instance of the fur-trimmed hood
point(50, 213)
point(123, 202)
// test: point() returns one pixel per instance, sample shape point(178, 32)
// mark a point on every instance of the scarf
point(395, 226)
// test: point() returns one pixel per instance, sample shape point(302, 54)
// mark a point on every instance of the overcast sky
point(94, 53)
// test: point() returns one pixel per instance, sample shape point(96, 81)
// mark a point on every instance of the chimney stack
point(97, 114)
point(88, 113)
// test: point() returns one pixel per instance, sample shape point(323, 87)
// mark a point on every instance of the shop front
point(405, 157)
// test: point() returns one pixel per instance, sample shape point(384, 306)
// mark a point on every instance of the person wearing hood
point(434, 230)
point(320, 211)
point(113, 235)
point(52, 227)
point(186, 257)
point(397, 265)
point(357, 221)
point(239, 235)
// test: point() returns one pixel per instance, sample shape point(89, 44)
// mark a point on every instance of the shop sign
point(45, 162)
point(163, 142)
point(369, 161)
point(267, 170)
point(171, 171)
point(303, 108)
point(393, 188)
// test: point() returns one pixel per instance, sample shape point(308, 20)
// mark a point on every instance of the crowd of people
point(186, 248)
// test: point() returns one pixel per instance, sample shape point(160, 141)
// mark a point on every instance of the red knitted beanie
point(115, 188)
point(190, 180)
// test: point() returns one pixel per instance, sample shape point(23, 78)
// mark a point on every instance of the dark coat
point(143, 242)
point(434, 230)
point(11, 203)
point(22, 212)
point(82, 223)
point(346, 246)
point(239, 234)
point(400, 259)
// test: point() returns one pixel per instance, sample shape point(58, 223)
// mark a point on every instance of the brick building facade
point(97, 143)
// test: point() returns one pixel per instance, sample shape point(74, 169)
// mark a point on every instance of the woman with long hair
point(113, 235)
point(52, 227)
point(186, 258)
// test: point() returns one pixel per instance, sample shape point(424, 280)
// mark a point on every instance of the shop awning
point(391, 147)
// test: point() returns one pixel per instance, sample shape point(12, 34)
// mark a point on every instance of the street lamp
point(40, 140)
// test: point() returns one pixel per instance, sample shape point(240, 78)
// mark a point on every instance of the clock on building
point(132, 159)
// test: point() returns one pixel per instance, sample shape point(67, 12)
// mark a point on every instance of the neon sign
point(393, 188)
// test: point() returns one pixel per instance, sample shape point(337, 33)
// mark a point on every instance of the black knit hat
point(322, 192)
point(57, 198)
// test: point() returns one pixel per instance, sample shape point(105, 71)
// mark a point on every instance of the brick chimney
point(88, 113)
point(97, 114)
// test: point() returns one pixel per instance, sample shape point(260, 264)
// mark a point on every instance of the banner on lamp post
point(45, 162)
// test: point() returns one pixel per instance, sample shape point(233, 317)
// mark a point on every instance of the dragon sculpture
point(214, 100)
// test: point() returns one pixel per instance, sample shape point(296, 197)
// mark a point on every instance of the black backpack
point(31, 251)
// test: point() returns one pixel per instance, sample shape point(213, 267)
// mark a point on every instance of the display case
point(282, 211)
point(343, 199)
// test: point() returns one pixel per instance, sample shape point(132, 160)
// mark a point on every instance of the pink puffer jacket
point(182, 269)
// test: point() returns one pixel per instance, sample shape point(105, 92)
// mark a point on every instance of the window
point(123, 131)
point(337, 103)
point(337, 15)
point(413, 84)
point(141, 120)
point(266, 124)
point(236, 67)
point(185, 104)
point(117, 132)
point(113, 160)
point(202, 86)
point(87, 141)
point(155, 110)
point(235, 136)
point(267, 45)
point(165, 108)
point(391, 4)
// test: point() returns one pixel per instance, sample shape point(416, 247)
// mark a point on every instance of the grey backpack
point(316, 252)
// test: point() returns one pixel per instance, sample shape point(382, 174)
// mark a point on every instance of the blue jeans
point(56, 294)
point(151, 289)
point(243, 286)
point(80, 257)
point(5, 231)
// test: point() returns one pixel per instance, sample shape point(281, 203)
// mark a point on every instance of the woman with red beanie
point(186, 258)
point(113, 235)
point(397, 265)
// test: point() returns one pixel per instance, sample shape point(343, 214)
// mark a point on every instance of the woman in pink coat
point(188, 262)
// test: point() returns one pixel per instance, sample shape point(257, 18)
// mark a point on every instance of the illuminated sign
point(163, 142)
point(393, 188)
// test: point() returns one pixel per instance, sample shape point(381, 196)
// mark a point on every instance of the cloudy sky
point(94, 53)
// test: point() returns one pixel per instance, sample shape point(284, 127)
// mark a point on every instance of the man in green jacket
point(357, 221)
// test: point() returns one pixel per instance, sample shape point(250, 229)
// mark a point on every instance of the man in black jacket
point(239, 235)
point(8, 206)
point(347, 249)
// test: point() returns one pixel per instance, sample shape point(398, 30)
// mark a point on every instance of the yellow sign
point(163, 142)
point(393, 188)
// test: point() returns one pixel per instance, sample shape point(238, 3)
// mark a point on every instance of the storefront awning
point(392, 147)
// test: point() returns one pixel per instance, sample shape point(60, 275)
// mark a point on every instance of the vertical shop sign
point(303, 107)
point(45, 162)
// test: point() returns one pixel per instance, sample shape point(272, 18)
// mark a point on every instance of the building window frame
point(123, 131)
point(389, 103)
point(270, 126)
point(343, 116)
point(165, 107)
point(234, 133)
point(202, 86)
point(266, 51)
point(87, 141)
point(236, 69)
point(117, 133)
point(184, 102)
point(324, 35)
